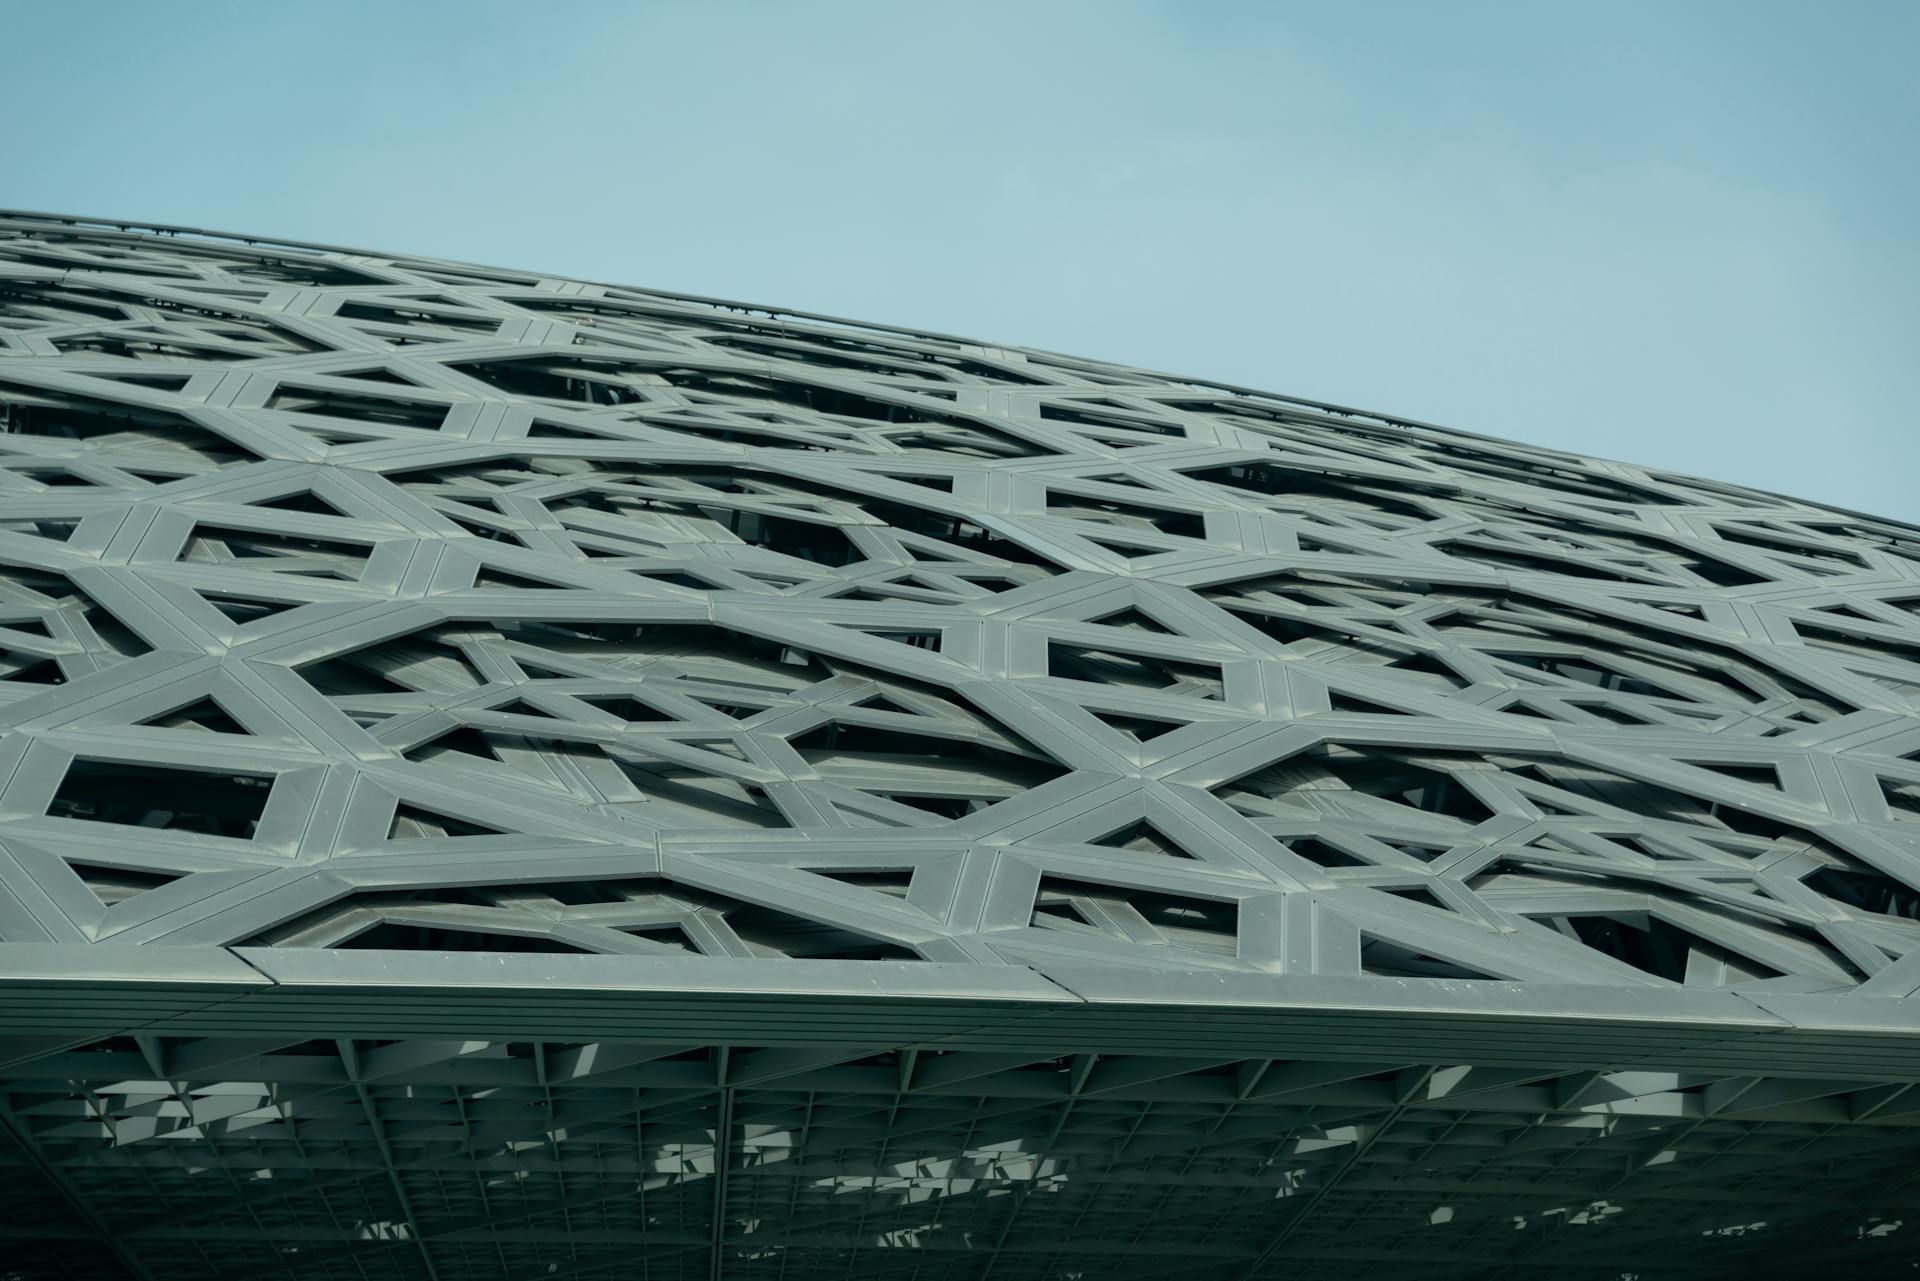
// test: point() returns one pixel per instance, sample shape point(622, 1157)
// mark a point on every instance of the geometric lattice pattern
point(354, 606)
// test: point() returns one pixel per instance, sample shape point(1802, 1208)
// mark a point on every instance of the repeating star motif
point(403, 603)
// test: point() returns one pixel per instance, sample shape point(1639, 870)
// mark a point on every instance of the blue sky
point(1682, 234)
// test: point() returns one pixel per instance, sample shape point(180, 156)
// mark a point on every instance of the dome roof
point(356, 605)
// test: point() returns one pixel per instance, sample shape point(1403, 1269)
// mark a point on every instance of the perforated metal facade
point(503, 776)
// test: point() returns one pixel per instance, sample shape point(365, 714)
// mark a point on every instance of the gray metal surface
point(1035, 817)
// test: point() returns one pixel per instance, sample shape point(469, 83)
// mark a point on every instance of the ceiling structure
point(507, 777)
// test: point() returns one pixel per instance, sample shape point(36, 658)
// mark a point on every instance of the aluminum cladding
point(408, 604)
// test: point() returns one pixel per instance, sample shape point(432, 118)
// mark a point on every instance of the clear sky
point(1681, 234)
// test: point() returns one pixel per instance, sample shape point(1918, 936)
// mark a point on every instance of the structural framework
point(503, 777)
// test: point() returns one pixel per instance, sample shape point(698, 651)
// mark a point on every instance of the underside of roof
point(509, 777)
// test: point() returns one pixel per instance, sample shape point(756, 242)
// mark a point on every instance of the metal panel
point(505, 776)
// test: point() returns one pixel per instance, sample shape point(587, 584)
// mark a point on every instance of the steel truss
point(634, 785)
